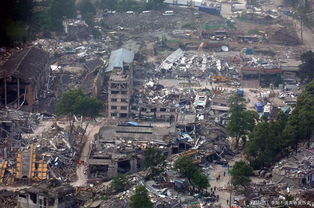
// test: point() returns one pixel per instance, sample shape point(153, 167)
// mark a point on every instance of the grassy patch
point(189, 25)
point(207, 26)
point(253, 32)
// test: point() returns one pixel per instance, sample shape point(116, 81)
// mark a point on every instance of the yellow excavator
point(220, 79)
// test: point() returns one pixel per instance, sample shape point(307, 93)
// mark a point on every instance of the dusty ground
point(222, 185)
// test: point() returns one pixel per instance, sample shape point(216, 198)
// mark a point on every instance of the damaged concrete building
point(153, 112)
point(95, 78)
point(24, 79)
point(118, 149)
point(45, 196)
point(120, 84)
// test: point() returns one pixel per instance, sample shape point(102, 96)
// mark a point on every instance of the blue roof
point(133, 123)
point(118, 57)
point(258, 104)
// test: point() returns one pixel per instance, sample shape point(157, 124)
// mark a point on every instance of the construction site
point(164, 79)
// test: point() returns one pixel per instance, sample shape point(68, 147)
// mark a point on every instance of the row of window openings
point(114, 85)
point(121, 115)
point(116, 107)
point(123, 100)
point(114, 92)
point(152, 109)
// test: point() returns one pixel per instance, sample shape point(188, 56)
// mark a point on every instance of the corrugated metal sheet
point(183, 2)
point(118, 57)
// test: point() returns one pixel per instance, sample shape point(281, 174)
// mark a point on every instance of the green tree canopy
point(300, 124)
point(200, 180)
point(241, 122)
point(15, 15)
point(133, 5)
point(265, 144)
point(140, 199)
point(120, 183)
point(271, 140)
point(75, 102)
point(107, 4)
point(292, 3)
point(307, 67)
point(185, 166)
point(155, 4)
point(240, 174)
point(88, 10)
point(57, 10)
point(153, 157)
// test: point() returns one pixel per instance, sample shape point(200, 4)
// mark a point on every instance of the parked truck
point(238, 7)
point(209, 10)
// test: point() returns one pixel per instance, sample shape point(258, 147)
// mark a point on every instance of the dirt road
point(308, 34)
point(223, 183)
point(92, 130)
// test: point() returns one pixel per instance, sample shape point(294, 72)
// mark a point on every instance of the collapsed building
point(46, 196)
point(28, 166)
point(297, 170)
point(24, 79)
point(152, 102)
point(118, 149)
point(94, 80)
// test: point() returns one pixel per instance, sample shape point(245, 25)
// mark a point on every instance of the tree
point(155, 4)
point(140, 199)
point(153, 157)
point(57, 10)
point(14, 18)
point(265, 144)
point(155, 160)
point(300, 125)
point(307, 67)
point(271, 140)
point(200, 181)
point(75, 102)
point(16, 31)
point(87, 10)
point(292, 3)
point(106, 4)
point(185, 166)
point(241, 122)
point(253, 2)
point(240, 174)
point(120, 183)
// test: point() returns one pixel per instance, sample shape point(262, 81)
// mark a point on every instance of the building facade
point(120, 84)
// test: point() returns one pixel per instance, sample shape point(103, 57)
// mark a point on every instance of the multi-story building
point(120, 84)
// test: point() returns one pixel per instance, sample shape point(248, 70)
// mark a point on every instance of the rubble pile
point(164, 79)
point(296, 170)
point(72, 52)
point(154, 93)
point(192, 66)
point(8, 199)
point(286, 37)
